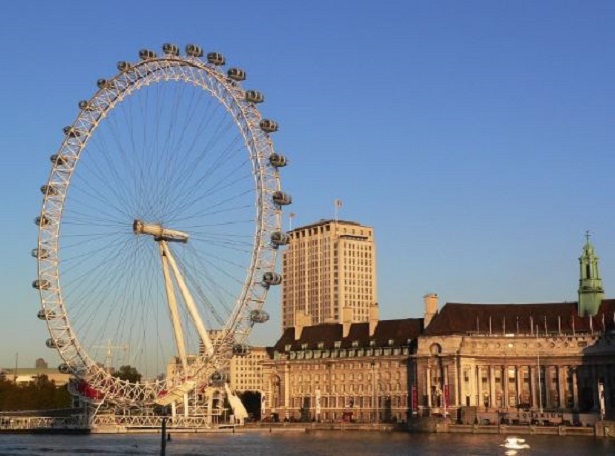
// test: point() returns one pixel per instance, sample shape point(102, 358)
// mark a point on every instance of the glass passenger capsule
point(254, 96)
point(268, 126)
point(123, 66)
point(85, 105)
point(40, 253)
point(217, 378)
point(58, 343)
point(145, 54)
point(259, 316)
point(277, 160)
point(236, 74)
point(41, 284)
point(46, 314)
point(241, 349)
point(272, 278)
point(49, 190)
point(41, 220)
point(58, 160)
point(281, 198)
point(170, 49)
point(193, 50)
point(215, 58)
point(64, 369)
point(278, 238)
point(71, 132)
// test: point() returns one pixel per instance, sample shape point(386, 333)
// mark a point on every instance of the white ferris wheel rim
point(149, 71)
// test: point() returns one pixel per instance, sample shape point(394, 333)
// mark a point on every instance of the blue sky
point(476, 137)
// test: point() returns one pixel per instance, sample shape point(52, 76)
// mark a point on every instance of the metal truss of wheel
point(159, 229)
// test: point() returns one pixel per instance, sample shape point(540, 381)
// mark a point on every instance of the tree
point(252, 402)
point(128, 373)
point(40, 394)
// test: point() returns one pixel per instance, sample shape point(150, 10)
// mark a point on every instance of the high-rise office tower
point(329, 271)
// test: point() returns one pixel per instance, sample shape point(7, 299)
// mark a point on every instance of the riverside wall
point(603, 429)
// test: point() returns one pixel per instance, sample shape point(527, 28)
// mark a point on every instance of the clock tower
point(591, 292)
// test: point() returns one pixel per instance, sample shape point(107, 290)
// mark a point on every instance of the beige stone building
point(353, 371)
point(544, 363)
point(523, 363)
point(246, 371)
point(327, 267)
point(532, 362)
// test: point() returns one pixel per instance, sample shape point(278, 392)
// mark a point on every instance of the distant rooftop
point(399, 331)
point(463, 318)
point(322, 222)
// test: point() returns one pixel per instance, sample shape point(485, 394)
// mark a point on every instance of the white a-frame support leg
point(181, 284)
point(178, 331)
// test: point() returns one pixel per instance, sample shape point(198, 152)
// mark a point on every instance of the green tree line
point(40, 394)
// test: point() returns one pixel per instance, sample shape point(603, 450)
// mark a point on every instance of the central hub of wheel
point(159, 232)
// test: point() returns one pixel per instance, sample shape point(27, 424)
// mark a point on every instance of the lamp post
point(509, 345)
point(539, 376)
point(163, 433)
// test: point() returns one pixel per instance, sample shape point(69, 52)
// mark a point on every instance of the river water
point(321, 443)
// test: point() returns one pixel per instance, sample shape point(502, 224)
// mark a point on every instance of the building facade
point(329, 271)
point(519, 359)
point(523, 359)
point(544, 363)
point(353, 372)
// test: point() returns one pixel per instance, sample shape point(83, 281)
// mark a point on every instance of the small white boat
point(514, 443)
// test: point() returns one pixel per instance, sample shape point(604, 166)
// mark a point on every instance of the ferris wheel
point(159, 227)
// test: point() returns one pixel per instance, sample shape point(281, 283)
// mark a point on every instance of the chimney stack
point(374, 314)
point(430, 301)
point(346, 321)
point(302, 320)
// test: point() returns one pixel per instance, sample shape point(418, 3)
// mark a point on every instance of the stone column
point(561, 383)
point(479, 386)
point(491, 387)
point(468, 390)
point(533, 389)
point(519, 375)
point(458, 382)
point(575, 387)
point(286, 387)
point(505, 384)
point(427, 384)
point(545, 384)
point(447, 384)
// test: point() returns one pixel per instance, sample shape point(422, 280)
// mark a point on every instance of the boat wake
point(512, 444)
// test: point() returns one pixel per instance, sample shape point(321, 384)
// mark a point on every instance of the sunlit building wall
point(329, 271)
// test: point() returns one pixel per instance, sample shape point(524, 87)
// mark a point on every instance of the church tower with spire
point(591, 292)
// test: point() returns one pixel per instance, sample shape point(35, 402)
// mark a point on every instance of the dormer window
point(391, 342)
point(355, 343)
point(321, 345)
point(304, 346)
point(372, 343)
point(337, 344)
point(287, 347)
